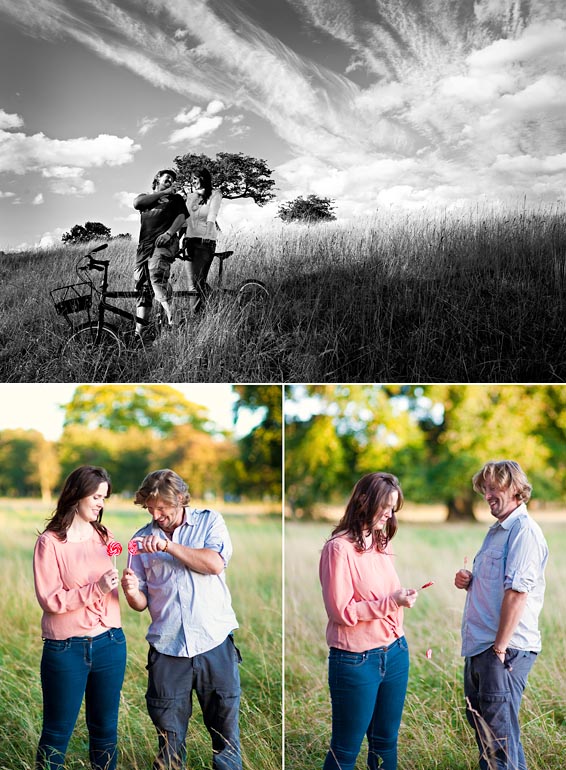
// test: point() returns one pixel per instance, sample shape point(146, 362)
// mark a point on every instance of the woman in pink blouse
point(368, 664)
point(84, 648)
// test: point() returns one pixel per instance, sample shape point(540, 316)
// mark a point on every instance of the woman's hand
point(406, 597)
point(109, 581)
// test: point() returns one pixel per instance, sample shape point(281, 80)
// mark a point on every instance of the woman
point(203, 205)
point(369, 658)
point(84, 648)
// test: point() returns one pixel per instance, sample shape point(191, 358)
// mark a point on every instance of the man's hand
point(463, 578)
point(131, 587)
point(164, 239)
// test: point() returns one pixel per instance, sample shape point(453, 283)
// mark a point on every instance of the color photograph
point(424, 578)
point(142, 578)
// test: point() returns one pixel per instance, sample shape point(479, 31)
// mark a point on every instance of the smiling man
point(500, 633)
point(178, 575)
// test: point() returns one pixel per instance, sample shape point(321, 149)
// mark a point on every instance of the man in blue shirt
point(500, 634)
point(179, 575)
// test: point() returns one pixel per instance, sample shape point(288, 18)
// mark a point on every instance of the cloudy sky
point(378, 104)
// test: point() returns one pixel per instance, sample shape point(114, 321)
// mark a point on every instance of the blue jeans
point(73, 668)
point(215, 678)
point(367, 690)
point(494, 691)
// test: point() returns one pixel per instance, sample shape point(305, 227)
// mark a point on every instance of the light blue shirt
point(513, 555)
point(190, 612)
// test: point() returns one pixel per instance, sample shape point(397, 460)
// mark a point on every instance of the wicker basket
point(72, 298)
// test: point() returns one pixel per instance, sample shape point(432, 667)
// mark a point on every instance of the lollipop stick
point(114, 560)
point(129, 560)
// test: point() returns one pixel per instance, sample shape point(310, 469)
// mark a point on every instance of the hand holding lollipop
point(114, 549)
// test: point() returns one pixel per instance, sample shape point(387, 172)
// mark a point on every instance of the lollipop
point(133, 549)
point(427, 585)
point(114, 549)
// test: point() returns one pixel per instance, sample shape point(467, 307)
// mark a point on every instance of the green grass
point(472, 296)
point(434, 731)
point(254, 578)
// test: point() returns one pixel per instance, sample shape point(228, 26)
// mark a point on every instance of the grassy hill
point(467, 297)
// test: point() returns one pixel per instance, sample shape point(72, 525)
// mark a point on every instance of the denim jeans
point(493, 693)
point(367, 690)
point(92, 667)
point(201, 256)
point(215, 678)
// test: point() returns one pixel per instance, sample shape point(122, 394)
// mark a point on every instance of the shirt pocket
point(492, 564)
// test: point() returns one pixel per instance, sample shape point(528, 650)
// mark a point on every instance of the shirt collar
point(508, 522)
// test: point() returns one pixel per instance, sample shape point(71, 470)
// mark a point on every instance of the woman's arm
point(338, 591)
point(51, 594)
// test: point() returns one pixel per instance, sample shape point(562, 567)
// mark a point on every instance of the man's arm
point(146, 199)
point(203, 560)
point(511, 612)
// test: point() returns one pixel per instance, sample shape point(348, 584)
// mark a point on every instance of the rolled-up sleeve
point(342, 605)
point(524, 558)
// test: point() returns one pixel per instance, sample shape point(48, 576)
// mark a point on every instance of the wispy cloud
point(439, 102)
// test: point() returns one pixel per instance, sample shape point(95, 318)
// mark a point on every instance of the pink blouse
point(357, 588)
point(66, 585)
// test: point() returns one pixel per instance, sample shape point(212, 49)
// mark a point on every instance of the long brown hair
point(80, 483)
point(369, 494)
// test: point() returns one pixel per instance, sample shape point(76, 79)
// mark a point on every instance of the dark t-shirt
point(155, 220)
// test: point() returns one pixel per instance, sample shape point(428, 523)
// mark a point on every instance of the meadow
point(434, 732)
point(254, 578)
point(469, 296)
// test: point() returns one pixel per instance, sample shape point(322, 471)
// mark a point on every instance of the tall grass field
point(472, 296)
point(254, 579)
point(434, 732)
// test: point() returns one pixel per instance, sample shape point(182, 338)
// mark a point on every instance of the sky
point(37, 406)
point(380, 105)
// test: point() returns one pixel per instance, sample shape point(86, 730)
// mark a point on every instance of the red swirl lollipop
point(114, 549)
point(133, 549)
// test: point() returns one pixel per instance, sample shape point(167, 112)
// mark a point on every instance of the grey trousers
point(215, 678)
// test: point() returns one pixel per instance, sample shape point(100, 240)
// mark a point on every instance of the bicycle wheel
point(252, 293)
point(90, 354)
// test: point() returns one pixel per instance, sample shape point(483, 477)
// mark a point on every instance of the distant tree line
point(433, 437)
point(132, 429)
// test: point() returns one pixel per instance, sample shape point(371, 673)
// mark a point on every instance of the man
point(163, 212)
point(500, 634)
point(178, 575)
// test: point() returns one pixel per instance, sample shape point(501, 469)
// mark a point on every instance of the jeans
point(70, 668)
point(200, 256)
point(215, 678)
point(494, 691)
point(367, 690)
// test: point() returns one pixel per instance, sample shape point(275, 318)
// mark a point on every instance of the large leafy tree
point(90, 231)
point(237, 175)
point(477, 423)
point(118, 408)
point(346, 431)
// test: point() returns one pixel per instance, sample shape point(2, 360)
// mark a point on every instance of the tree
point(261, 449)
point(157, 408)
point(310, 209)
point(91, 231)
point(237, 175)
point(478, 423)
point(18, 472)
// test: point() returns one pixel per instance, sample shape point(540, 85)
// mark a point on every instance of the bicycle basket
point(72, 298)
